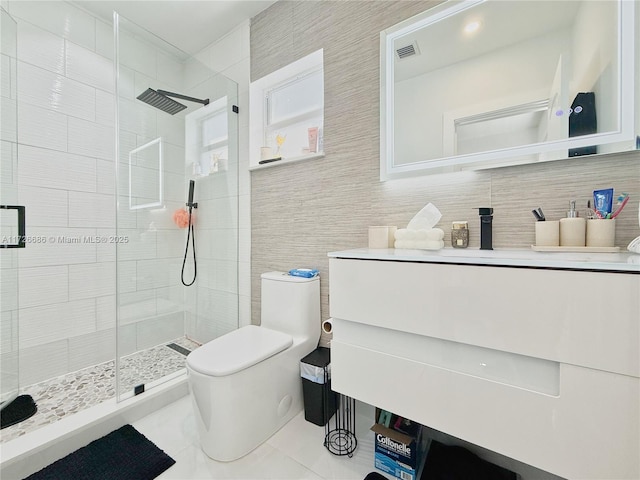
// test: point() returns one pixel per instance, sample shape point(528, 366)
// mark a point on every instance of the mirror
point(488, 83)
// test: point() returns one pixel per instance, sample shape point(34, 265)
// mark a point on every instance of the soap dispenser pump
point(573, 228)
point(486, 235)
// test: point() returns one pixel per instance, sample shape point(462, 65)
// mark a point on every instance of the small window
point(301, 96)
point(214, 128)
point(207, 140)
point(287, 113)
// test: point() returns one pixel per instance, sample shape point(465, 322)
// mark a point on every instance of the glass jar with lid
point(460, 234)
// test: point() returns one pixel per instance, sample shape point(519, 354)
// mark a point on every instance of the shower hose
point(190, 235)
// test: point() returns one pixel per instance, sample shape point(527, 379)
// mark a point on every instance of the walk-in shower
point(93, 308)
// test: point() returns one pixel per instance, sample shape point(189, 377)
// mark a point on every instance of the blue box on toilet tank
point(397, 453)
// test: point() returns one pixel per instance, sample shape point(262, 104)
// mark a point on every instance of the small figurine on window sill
point(280, 139)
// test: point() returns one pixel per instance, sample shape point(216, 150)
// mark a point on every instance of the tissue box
point(397, 453)
point(421, 239)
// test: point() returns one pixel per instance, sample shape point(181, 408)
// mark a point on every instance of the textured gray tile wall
point(301, 211)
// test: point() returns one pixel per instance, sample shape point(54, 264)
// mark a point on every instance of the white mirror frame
point(500, 157)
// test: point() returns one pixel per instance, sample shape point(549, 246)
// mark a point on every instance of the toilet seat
point(238, 350)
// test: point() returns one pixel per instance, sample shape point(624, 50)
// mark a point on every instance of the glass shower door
point(11, 216)
point(175, 124)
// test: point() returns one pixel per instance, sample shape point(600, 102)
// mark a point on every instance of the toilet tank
point(290, 304)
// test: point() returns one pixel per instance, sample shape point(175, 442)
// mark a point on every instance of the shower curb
point(31, 452)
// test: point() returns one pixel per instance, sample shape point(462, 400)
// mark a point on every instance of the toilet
point(246, 385)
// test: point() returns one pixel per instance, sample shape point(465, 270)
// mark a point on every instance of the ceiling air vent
point(407, 51)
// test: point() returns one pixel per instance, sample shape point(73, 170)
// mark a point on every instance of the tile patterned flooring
point(62, 396)
point(295, 452)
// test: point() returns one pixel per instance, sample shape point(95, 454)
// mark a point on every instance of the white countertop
point(625, 262)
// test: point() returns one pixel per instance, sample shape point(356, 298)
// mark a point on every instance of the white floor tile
point(295, 452)
point(303, 441)
point(265, 462)
point(172, 428)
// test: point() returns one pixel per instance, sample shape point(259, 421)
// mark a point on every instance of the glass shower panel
point(162, 146)
point(9, 215)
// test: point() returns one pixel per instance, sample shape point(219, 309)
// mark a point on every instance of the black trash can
point(320, 402)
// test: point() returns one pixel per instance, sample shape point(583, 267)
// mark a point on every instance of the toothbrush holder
point(601, 232)
point(548, 233)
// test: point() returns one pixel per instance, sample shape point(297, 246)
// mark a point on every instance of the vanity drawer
point(584, 318)
point(590, 430)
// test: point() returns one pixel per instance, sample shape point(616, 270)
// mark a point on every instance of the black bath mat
point(124, 454)
point(21, 408)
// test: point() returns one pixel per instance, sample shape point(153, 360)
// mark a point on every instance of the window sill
point(287, 160)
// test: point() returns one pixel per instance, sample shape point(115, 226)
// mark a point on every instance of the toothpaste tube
point(603, 202)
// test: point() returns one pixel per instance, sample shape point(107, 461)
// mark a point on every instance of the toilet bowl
point(246, 385)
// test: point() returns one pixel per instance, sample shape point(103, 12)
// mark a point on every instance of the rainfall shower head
point(160, 99)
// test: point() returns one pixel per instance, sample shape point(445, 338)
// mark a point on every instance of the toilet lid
point(237, 350)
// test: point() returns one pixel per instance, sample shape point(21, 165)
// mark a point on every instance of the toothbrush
point(622, 201)
point(590, 213)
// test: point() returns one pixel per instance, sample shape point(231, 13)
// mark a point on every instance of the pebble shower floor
point(65, 395)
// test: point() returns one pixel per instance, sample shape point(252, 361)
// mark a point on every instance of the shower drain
point(179, 349)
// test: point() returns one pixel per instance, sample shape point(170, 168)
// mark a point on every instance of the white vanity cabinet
point(530, 355)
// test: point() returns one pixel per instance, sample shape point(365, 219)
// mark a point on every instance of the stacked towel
point(422, 239)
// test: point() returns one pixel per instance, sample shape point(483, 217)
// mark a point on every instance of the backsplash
point(302, 211)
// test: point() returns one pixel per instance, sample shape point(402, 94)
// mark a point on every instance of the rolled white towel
point(401, 234)
point(435, 234)
point(421, 234)
point(405, 234)
point(405, 244)
point(419, 244)
point(430, 245)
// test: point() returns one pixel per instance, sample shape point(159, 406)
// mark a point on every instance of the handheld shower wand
point(190, 234)
point(192, 186)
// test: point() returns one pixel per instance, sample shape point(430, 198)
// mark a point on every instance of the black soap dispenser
point(486, 236)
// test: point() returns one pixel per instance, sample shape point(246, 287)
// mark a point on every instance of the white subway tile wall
point(90, 138)
point(85, 66)
point(92, 280)
point(57, 321)
point(9, 287)
point(66, 284)
point(61, 19)
point(48, 206)
point(65, 176)
point(39, 127)
point(49, 168)
point(43, 286)
point(42, 88)
point(42, 48)
point(217, 306)
point(8, 130)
